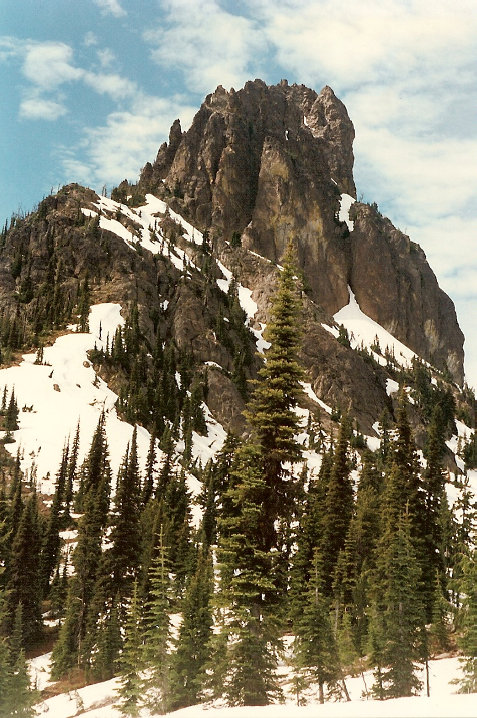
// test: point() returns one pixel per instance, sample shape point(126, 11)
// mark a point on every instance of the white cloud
point(36, 107)
point(126, 142)
point(209, 45)
point(110, 7)
point(347, 43)
point(90, 39)
point(49, 64)
point(114, 85)
point(106, 57)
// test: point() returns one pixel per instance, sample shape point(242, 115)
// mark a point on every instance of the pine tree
point(123, 556)
point(84, 300)
point(190, 658)
point(68, 650)
point(468, 639)
point(130, 688)
point(271, 409)
point(108, 642)
point(248, 589)
point(403, 612)
point(51, 542)
point(4, 657)
point(71, 476)
point(18, 696)
point(315, 649)
point(157, 634)
point(150, 471)
point(338, 507)
point(432, 562)
point(11, 415)
point(24, 575)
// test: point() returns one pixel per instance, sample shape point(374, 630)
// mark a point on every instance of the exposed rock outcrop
point(269, 164)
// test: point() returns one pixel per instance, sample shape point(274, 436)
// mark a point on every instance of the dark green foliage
point(468, 639)
point(157, 633)
point(17, 697)
point(11, 415)
point(338, 506)
point(24, 573)
point(122, 558)
point(398, 619)
point(315, 649)
point(96, 480)
point(190, 658)
point(51, 542)
point(131, 663)
point(247, 584)
point(271, 409)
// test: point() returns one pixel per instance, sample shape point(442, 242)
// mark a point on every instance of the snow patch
point(346, 200)
point(363, 329)
point(391, 386)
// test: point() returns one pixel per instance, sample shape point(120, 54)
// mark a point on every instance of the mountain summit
point(275, 163)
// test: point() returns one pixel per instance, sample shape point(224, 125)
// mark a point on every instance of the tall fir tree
point(19, 696)
point(338, 509)
point(131, 662)
point(247, 585)
point(192, 653)
point(402, 621)
point(122, 558)
point(315, 648)
point(468, 620)
point(270, 411)
point(51, 542)
point(157, 633)
point(68, 651)
point(24, 573)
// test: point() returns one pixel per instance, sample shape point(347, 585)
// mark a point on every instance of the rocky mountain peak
point(269, 164)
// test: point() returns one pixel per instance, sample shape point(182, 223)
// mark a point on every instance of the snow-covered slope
point(63, 391)
point(364, 330)
point(98, 701)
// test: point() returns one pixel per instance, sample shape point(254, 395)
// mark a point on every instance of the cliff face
point(269, 164)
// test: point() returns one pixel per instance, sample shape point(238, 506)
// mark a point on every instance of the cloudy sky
point(90, 88)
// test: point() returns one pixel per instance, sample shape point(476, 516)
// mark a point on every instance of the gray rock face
point(269, 164)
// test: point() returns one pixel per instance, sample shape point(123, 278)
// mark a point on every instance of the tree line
point(365, 565)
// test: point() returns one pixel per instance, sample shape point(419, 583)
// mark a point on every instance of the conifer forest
point(360, 565)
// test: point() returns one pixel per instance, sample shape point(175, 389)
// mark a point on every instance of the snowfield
point(363, 329)
point(67, 390)
point(98, 701)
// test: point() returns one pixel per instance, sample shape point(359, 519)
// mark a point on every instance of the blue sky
point(90, 89)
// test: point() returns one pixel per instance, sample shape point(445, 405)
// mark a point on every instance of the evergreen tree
point(468, 639)
point(11, 415)
point(24, 575)
point(403, 615)
point(71, 476)
point(108, 642)
point(19, 697)
point(338, 507)
point(131, 665)
point(68, 650)
point(123, 556)
point(248, 589)
point(315, 648)
point(190, 658)
point(157, 635)
point(84, 300)
point(432, 527)
point(150, 471)
point(271, 409)
point(51, 542)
